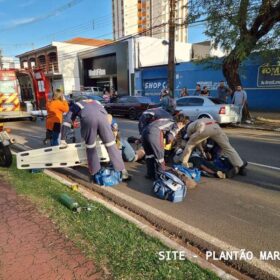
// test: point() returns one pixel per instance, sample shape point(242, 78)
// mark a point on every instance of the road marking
point(266, 166)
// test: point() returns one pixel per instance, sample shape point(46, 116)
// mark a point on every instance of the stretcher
point(59, 156)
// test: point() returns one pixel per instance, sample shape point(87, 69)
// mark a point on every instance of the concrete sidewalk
point(32, 248)
point(263, 121)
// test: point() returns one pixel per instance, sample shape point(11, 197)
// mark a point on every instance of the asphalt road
point(243, 211)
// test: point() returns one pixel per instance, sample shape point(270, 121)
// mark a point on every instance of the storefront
point(106, 67)
point(260, 79)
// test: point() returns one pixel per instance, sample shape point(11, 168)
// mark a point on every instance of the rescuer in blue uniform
point(94, 120)
point(154, 137)
point(151, 115)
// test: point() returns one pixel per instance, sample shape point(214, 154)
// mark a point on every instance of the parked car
point(82, 96)
point(130, 106)
point(93, 91)
point(208, 107)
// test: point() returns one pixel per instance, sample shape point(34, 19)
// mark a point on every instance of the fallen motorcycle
point(6, 157)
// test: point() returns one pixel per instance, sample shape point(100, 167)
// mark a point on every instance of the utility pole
point(171, 48)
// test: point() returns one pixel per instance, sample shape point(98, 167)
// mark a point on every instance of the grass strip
point(114, 244)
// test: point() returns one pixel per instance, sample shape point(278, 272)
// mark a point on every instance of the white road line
point(263, 165)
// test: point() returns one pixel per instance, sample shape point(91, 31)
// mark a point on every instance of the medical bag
point(194, 173)
point(169, 187)
point(107, 177)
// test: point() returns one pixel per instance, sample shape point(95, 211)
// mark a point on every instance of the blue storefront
point(260, 80)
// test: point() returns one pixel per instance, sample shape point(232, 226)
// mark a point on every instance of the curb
point(256, 127)
point(202, 240)
point(194, 258)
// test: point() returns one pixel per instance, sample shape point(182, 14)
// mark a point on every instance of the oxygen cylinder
point(69, 202)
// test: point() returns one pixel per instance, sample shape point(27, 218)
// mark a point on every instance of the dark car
point(130, 106)
point(79, 97)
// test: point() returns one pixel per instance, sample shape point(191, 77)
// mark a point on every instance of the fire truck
point(21, 92)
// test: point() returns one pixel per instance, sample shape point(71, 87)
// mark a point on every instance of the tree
point(239, 28)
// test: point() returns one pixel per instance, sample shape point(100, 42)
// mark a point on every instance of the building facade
point(59, 61)
point(148, 17)
point(115, 65)
point(259, 77)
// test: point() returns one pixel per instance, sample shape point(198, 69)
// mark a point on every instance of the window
point(196, 101)
point(131, 99)
point(192, 101)
point(182, 102)
point(144, 99)
point(122, 100)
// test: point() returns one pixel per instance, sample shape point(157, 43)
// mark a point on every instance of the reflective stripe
point(173, 133)
point(91, 146)
point(208, 123)
point(165, 125)
point(67, 124)
point(149, 156)
point(149, 113)
point(110, 143)
point(80, 105)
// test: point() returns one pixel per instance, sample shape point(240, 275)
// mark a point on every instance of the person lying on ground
point(202, 129)
point(128, 153)
point(210, 168)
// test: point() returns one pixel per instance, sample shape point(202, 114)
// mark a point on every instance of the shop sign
point(97, 72)
point(268, 76)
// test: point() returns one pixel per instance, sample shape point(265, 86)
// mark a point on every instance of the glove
point(63, 143)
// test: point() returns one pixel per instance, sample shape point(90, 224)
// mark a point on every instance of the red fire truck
point(21, 91)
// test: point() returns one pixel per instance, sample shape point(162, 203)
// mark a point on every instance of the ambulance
point(22, 91)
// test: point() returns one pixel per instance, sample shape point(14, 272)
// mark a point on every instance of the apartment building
point(147, 18)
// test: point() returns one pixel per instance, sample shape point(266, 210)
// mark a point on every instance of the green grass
point(112, 242)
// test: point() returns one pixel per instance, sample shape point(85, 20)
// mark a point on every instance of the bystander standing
point(223, 91)
point(197, 91)
point(184, 92)
point(205, 91)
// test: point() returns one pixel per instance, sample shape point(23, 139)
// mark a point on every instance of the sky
point(30, 24)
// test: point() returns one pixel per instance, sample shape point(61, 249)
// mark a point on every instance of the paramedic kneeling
point(204, 128)
point(153, 137)
point(94, 120)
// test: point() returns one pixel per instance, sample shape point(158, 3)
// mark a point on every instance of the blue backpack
point(169, 187)
point(107, 177)
point(194, 174)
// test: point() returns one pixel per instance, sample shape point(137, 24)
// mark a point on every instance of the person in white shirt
point(239, 99)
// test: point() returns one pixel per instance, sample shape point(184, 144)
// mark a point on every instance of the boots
point(150, 162)
point(125, 176)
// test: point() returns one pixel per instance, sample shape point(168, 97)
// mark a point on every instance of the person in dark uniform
point(154, 136)
point(94, 120)
point(151, 115)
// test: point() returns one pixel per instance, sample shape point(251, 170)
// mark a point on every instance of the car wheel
point(132, 114)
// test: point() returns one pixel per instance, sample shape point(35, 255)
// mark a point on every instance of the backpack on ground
point(169, 187)
point(107, 177)
point(194, 173)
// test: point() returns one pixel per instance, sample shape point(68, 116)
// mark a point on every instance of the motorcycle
point(6, 157)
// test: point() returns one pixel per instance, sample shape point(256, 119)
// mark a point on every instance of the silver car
point(197, 107)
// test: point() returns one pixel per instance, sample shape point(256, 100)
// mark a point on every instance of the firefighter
point(151, 115)
point(94, 120)
point(205, 128)
point(153, 137)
